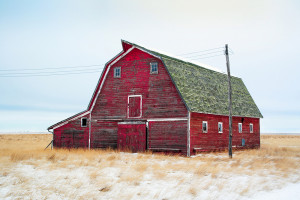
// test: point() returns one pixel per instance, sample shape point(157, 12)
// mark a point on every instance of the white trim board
point(166, 119)
point(132, 122)
point(108, 69)
point(72, 119)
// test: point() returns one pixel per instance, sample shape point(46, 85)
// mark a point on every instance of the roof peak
point(167, 54)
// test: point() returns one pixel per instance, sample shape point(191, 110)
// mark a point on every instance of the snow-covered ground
point(29, 172)
point(37, 179)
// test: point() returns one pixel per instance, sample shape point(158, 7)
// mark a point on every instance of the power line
point(33, 73)
point(204, 54)
point(84, 66)
point(208, 57)
point(200, 51)
point(54, 74)
point(86, 69)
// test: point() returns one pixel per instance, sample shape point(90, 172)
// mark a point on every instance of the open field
point(27, 171)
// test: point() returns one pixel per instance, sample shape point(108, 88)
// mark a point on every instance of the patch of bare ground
point(26, 167)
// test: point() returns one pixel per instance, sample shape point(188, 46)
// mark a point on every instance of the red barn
point(146, 100)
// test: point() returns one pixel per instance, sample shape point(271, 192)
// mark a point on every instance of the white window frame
point(251, 127)
point(151, 64)
point(221, 127)
point(240, 124)
point(141, 105)
point(204, 122)
point(115, 72)
point(82, 120)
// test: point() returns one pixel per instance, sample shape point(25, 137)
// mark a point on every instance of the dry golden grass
point(279, 152)
point(278, 156)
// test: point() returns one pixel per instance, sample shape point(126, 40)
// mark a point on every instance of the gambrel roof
point(206, 91)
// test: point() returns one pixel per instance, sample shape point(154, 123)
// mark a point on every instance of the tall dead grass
point(279, 154)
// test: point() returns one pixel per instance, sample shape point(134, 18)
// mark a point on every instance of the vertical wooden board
point(132, 137)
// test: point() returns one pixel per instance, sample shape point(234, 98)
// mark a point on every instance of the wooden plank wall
point(212, 140)
point(168, 135)
point(159, 96)
point(104, 134)
point(72, 135)
point(132, 137)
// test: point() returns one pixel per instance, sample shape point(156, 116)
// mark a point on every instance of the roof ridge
point(160, 54)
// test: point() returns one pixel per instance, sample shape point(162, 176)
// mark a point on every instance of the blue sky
point(264, 36)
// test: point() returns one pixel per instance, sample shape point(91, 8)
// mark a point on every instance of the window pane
point(117, 72)
point(153, 68)
point(204, 126)
point(220, 127)
point(83, 122)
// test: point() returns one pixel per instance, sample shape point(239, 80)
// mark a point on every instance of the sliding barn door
point(132, 136)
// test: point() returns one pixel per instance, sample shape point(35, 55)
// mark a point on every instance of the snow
point(36, 181)
point(290, 192)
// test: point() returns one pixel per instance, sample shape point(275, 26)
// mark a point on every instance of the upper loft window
point(240, 127)
point(251, 128)
point(220, 127)
point(84, 122)
point(204, 127)
point(117, 72)
point(154, 68)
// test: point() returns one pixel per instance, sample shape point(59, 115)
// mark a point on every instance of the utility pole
point(229, 101)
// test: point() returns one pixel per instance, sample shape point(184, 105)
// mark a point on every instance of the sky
point(263, 35)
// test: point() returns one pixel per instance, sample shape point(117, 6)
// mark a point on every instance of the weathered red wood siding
point(160, 98)
point(159, 95)
point(168, 135)
point(132, 137)
point(104, 134)
point(72, 135)
point(212, 140)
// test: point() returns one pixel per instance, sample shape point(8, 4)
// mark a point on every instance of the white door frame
point(140, 105)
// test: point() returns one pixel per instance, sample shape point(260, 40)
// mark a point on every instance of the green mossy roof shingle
point(206, 91)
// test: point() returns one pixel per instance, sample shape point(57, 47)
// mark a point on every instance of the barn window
point(220, 127)
point(251, 128)
point(204, 127)
point(117, 72)
point(240, 127)
point(153, 68)
point(84, 122)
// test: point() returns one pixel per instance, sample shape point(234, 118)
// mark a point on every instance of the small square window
point(83, 122)
point(117, 72)
point(204, 127)
point(220, 127)
point(240, 127)
point(251, 128)
point(153, 68)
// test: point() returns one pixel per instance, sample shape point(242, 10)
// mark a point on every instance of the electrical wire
point(204, 54)
point(200, 51)
point(86, 69)
point(84, 66)
point(54, 74)
point(32, 73)
point(208, 57)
